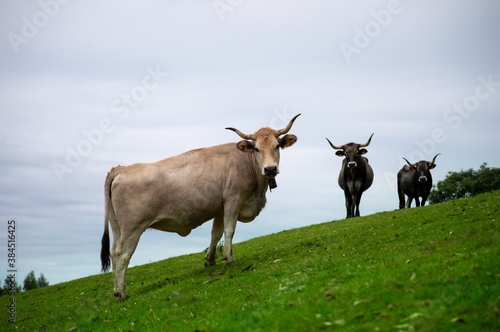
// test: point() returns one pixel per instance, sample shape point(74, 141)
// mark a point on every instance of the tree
point(465, 184)
point(30, 281)
point(42, 282)
point(7, 288)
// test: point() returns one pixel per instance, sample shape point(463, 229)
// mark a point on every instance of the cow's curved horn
point(244, 136)
point(288, 127)
point(412, 165)
point(337, 147)
point(433, 160)
point(367, 143)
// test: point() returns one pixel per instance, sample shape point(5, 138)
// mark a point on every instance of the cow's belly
point(355, 186)
point(175, 226)
point(182, 225)
point(183, 221)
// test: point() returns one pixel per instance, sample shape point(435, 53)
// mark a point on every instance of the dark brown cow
point(356, 175)
point(415, 180)
point(225, 183)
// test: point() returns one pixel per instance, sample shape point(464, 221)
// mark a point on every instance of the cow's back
point(407, 181)
point(181, 192)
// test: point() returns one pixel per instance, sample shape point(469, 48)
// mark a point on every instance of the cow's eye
point(277, 147)
point(257, 150)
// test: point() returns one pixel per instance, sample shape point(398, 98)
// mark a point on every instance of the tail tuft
point(105, 257)
point(108, 210)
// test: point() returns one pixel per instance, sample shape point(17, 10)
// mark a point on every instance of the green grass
point(435, 268)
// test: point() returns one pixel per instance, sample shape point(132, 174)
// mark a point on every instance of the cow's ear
point(432, 166)
point(287, 140)
point(362, 151)
point(340, 153)
point(245, 146)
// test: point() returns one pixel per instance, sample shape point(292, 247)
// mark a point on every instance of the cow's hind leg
point(122, 251)
point(408, 202)
point(401, 199)
point(217, 230)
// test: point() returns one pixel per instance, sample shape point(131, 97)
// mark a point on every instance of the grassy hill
point(435, 268)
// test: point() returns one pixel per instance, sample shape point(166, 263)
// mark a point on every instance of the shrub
point(466, 183)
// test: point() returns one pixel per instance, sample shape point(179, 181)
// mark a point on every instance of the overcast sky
point(87, 85)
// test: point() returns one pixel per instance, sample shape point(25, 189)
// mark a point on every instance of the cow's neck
point(262, 181)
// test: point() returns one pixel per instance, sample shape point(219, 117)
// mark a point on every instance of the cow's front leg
point(217, 230)
point(424, 199)
point(349, 204)
point(228, 241)
point(358, 200)
point(230, 219)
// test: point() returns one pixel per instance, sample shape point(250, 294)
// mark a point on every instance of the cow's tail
point(401, 194)
point(105, 252)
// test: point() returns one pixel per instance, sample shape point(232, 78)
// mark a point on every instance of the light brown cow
point(226, 183)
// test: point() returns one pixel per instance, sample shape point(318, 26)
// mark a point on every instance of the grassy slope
point(432, 268)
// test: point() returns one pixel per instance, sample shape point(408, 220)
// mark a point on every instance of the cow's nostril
point(352, 164)
point(271, 170)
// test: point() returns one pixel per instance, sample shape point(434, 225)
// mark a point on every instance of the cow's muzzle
point(422, 179)
point(271, 171)
point(352, 164)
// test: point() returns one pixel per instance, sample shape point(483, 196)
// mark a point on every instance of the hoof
point(230, 261)
point(208, 263)
point(120, 297)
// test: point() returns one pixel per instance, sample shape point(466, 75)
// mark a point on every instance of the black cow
point(356, 175)
point(414, 181)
